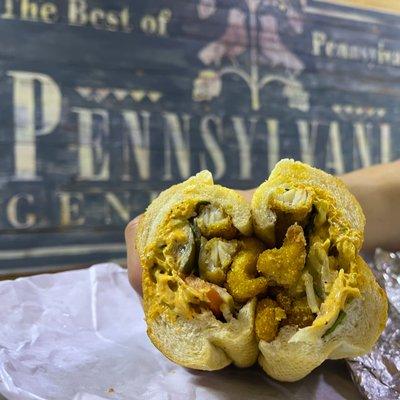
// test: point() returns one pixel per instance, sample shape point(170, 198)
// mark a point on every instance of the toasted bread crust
point(366, 318)
point(202, 342)
point(205, 343)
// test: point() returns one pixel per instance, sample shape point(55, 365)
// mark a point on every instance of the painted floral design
point(251, 44)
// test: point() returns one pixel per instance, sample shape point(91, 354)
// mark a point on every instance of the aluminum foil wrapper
point(377, 374)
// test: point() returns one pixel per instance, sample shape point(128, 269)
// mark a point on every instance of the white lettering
point(308, 139)
point(244, 143)
point(115, 204)
point(335, 155)
point(175, 137)
point(13, 214)
point(25, 118)
point(138, 142)
point(361, 146)
point(71, 209)
point(318, 40)
point(386, 143)
point(94, 158)
point(273, 142)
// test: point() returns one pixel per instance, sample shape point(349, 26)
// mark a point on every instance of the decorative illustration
point(206, 8)
point(100, 94)
point(351, 110)
point(250, 44)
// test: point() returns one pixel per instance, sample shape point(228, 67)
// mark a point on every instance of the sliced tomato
point(215, 302)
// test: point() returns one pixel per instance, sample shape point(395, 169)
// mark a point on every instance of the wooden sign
point(105, 103)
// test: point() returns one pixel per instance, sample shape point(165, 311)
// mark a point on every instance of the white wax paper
point(80, 335)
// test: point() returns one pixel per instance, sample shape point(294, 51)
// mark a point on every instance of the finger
point(133, 262)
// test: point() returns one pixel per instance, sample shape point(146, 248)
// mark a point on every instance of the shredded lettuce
point(338, 321)
point(311, 297)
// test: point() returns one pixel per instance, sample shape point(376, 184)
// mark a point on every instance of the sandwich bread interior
point(279, 281)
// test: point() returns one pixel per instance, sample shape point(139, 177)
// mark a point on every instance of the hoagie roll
point(279, 280)
point(348, 308)
point(187, 240)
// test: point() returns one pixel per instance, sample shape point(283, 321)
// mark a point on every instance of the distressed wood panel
point(105, 103)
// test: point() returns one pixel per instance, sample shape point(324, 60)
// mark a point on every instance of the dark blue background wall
point(105, 103)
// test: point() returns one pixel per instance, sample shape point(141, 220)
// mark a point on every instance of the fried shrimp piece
point(297, 310)
point(290, 206)
point(212, 221)
point(297, 202)
point(284, 301)
point(242, 282)
point(300, 313)
point(283, 266)
point(215, 257)
point(268, 317)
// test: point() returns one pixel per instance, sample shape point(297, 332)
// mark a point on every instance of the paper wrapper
point(80, 335)
point(377, 374)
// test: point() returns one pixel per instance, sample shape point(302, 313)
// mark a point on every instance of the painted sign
point(105, 103)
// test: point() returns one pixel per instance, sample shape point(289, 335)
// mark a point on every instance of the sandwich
point(279, 281)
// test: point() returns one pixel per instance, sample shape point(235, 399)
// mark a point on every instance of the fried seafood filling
point(283, 266)
point(268, 318)
point(212, 222)
point(202, 263)
point(243, 282)
point(216, 256)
